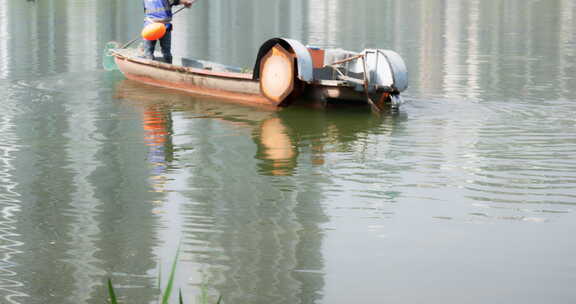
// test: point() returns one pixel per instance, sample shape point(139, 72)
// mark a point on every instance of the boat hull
point(239, 87)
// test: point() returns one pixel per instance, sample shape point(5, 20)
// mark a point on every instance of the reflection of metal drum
point(277, 74)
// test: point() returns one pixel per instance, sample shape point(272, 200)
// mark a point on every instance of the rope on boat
point(364, 82)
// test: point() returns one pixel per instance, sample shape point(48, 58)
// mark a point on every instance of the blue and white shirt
point(159, 10)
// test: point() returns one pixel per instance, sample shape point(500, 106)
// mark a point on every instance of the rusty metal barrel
point(283, 67)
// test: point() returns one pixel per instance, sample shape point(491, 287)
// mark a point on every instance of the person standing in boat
point(161, 11)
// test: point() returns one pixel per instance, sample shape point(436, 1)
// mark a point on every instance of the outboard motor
point(386, 70)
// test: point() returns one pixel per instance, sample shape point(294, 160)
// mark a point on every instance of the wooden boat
point(285, 72)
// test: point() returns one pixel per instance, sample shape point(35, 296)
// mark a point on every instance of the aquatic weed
point(203, 297)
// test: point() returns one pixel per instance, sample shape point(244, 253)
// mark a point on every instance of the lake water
point(466, 195)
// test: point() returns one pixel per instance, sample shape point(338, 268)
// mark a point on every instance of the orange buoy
point(154, 31)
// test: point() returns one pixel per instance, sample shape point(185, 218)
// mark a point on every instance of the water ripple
point(9, 202)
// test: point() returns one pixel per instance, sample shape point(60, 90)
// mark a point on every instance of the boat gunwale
point(183, 69)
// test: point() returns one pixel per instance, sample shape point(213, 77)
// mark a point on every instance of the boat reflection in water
point(157, 136)
point(244, 188)
point(275, 147)
point(279, 135)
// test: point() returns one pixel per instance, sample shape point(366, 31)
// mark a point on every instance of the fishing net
point(107, 58)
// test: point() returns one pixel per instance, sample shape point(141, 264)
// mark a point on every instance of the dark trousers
point(165, 46)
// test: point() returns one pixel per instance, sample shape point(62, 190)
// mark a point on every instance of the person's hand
point(187, 3)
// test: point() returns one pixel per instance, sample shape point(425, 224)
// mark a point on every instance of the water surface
point(466, 195)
